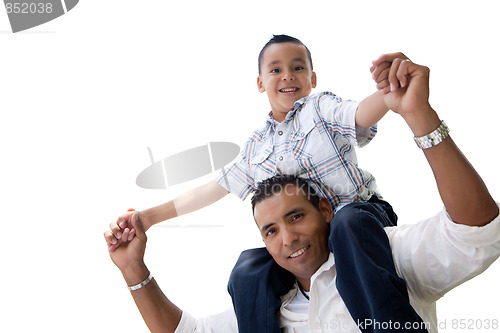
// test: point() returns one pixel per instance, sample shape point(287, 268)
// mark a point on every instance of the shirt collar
point(297, 106)
point(327, 265)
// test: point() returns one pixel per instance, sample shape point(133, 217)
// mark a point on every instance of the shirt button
point(280, 133)
point(281, 158)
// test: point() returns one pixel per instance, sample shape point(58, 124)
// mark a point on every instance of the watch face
point(25, 14)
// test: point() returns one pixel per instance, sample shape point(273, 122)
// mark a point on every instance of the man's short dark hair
point(276, 39)
point(280, 183)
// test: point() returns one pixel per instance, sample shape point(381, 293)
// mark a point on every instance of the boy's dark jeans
point(366, 277)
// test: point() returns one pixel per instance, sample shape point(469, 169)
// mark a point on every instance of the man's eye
point(296, 217)
point(270, 232)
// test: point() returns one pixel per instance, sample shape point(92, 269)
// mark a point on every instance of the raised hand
point(122, 230)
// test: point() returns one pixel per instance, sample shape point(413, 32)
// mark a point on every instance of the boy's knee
point(354, 222)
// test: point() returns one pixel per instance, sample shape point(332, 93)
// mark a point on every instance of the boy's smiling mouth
point(289, 90)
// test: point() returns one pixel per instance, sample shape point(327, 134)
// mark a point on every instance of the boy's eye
point(299, 68)
point(275, 70)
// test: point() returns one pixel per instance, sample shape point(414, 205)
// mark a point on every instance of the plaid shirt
point(316, 141)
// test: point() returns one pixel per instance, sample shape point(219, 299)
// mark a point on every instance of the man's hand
point(406, 88)
point(123, 229)
point(128, 254)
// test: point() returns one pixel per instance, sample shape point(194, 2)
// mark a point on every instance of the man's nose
point(289, 236)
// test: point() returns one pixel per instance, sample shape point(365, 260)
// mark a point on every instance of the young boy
point(312, 137)
point(304, 145)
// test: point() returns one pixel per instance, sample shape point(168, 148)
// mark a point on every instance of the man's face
point(295, 232)
point(286, 76)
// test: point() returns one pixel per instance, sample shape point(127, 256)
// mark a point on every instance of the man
point(433, 256)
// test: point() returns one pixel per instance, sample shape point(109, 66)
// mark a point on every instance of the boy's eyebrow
point(276, 62)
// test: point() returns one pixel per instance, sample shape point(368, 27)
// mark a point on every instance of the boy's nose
point(287, 76)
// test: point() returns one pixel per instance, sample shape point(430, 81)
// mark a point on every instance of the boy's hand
point(123, 230)
point(380, 74)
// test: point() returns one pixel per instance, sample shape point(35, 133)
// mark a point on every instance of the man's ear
point(326, 209)
point(314, 79)
point(260, 85)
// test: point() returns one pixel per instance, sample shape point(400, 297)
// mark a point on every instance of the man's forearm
point(371, 110)
point(158, 312)
point(462, 190)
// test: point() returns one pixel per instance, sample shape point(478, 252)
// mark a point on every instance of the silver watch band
point(434, 138)
point(142, 284)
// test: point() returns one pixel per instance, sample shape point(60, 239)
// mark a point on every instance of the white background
point(83, 96)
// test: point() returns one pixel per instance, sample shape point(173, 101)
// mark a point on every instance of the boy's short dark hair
point(276, 39)
point(280, 183)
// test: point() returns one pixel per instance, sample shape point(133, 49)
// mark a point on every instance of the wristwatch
point(434, 138)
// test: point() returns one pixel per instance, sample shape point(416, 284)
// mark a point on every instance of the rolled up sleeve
point(436, 255)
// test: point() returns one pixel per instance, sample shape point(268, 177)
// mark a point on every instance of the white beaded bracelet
point(142, 284)
point(434, 138)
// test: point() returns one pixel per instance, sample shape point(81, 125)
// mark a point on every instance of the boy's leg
point(255, 285)
point(366, 277)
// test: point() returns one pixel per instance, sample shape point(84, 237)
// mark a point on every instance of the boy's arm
point(371, 110)
point(187, 202)
point(123, 230)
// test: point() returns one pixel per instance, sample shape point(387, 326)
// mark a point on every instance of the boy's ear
point(313, 79)
point(260, 85)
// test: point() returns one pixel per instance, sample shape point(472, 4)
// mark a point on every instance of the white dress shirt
point(432, 256)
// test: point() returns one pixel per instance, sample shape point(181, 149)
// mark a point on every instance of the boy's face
point(295, 232)
point(286, 76)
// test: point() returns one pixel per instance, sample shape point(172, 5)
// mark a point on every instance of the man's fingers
point(113, 247)
point(109, 237)
point(399, 73)
point(380, 72)
point(125, 235)
point(115, 229)
point(131, 235)
point(388, 57)
point(111, 241)
point(393, 78)
point(403, 72)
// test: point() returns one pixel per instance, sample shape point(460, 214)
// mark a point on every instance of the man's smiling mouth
point(299, 252)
